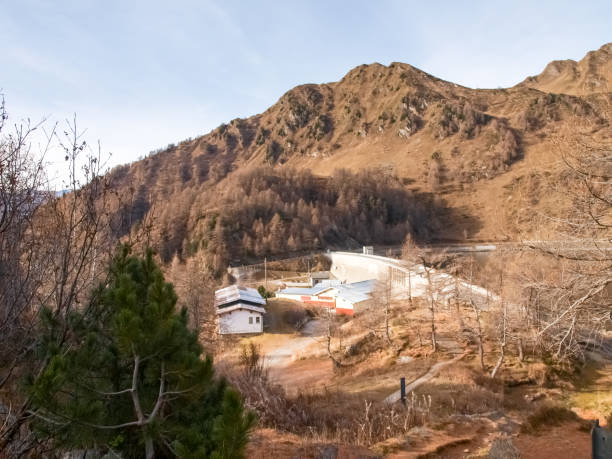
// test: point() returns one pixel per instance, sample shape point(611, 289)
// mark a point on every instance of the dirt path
point(285, 364)
point(288, 350)
point(433, 371)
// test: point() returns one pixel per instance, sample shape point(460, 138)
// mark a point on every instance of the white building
point(318, 277)
point(343, 298)
point(239, 310)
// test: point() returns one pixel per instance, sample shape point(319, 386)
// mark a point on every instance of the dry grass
point(540, 373)
point(329, 415)
point(548, 415)
point(462, 390)
point(350, 418)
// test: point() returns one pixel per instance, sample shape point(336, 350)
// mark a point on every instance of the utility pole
point(266, 272)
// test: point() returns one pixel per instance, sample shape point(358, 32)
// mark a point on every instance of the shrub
point(264, 293)
point(503, 448)
point(251, 360)
point(273, 152)
point(296, 317)
point(548, 415)
point(262, 136)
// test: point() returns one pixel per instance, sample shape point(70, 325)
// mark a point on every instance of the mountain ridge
point(591, 74)
point(472, 149)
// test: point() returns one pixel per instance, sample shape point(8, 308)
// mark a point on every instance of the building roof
point(311, 291)
point(355, 292)
point(319, 275)
point(235, 293)
point(330, 282)
point(238, 306)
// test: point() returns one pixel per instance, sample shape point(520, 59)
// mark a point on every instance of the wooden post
point(403, 390)
point(266, 272)
point(409, 288)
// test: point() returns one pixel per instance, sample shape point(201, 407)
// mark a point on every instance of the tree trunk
point(503, 343)
point(499, 361)
point(329, 337)
point(520, 349)
point(410, 289)
point(481, 353)
point(329, 333)
point(387, 323)
point(149, 449)
point(434, 342)
point(8, 435)
point(479, 334)
point(459, 316)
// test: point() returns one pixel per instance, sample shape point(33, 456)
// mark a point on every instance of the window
point(250, 320)
point(257, 319)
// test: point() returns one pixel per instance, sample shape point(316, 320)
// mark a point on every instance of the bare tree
point(477, 317)
point(195, 288)
point(434, 174)
point(437, 282)
point(409, 252)
point(431, 300)
point(570, 308)
point(479, 334)
point(381, 310)
point(503, 334)
point(22, 185)
point(437, 285)
point(331, 329)
point(62, 245)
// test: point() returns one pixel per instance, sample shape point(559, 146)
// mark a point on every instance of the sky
point(142, 74)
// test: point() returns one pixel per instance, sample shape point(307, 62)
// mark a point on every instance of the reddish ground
point(565, 441)
point(303, 374)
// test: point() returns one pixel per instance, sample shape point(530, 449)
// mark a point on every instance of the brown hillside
point(477, 159)
point(592, 74)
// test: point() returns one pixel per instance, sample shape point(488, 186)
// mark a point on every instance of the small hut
point(240, 310)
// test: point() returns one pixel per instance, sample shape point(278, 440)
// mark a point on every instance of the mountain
point(419, 154)
point(592, 74)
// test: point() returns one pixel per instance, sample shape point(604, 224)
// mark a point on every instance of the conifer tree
point(130, 377)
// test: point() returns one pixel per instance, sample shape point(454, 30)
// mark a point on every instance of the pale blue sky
point(142, 74)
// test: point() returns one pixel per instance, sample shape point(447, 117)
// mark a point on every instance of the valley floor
point(467, 410)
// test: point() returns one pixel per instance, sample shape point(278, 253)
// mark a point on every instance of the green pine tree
point(128, 375)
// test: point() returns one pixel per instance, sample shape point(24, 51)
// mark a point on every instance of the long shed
point(342, 298)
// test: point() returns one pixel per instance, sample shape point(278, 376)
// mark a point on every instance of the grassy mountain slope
point(478, 157)
point(592, 74)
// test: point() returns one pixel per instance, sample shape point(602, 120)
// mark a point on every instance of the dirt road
point(286, 365)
